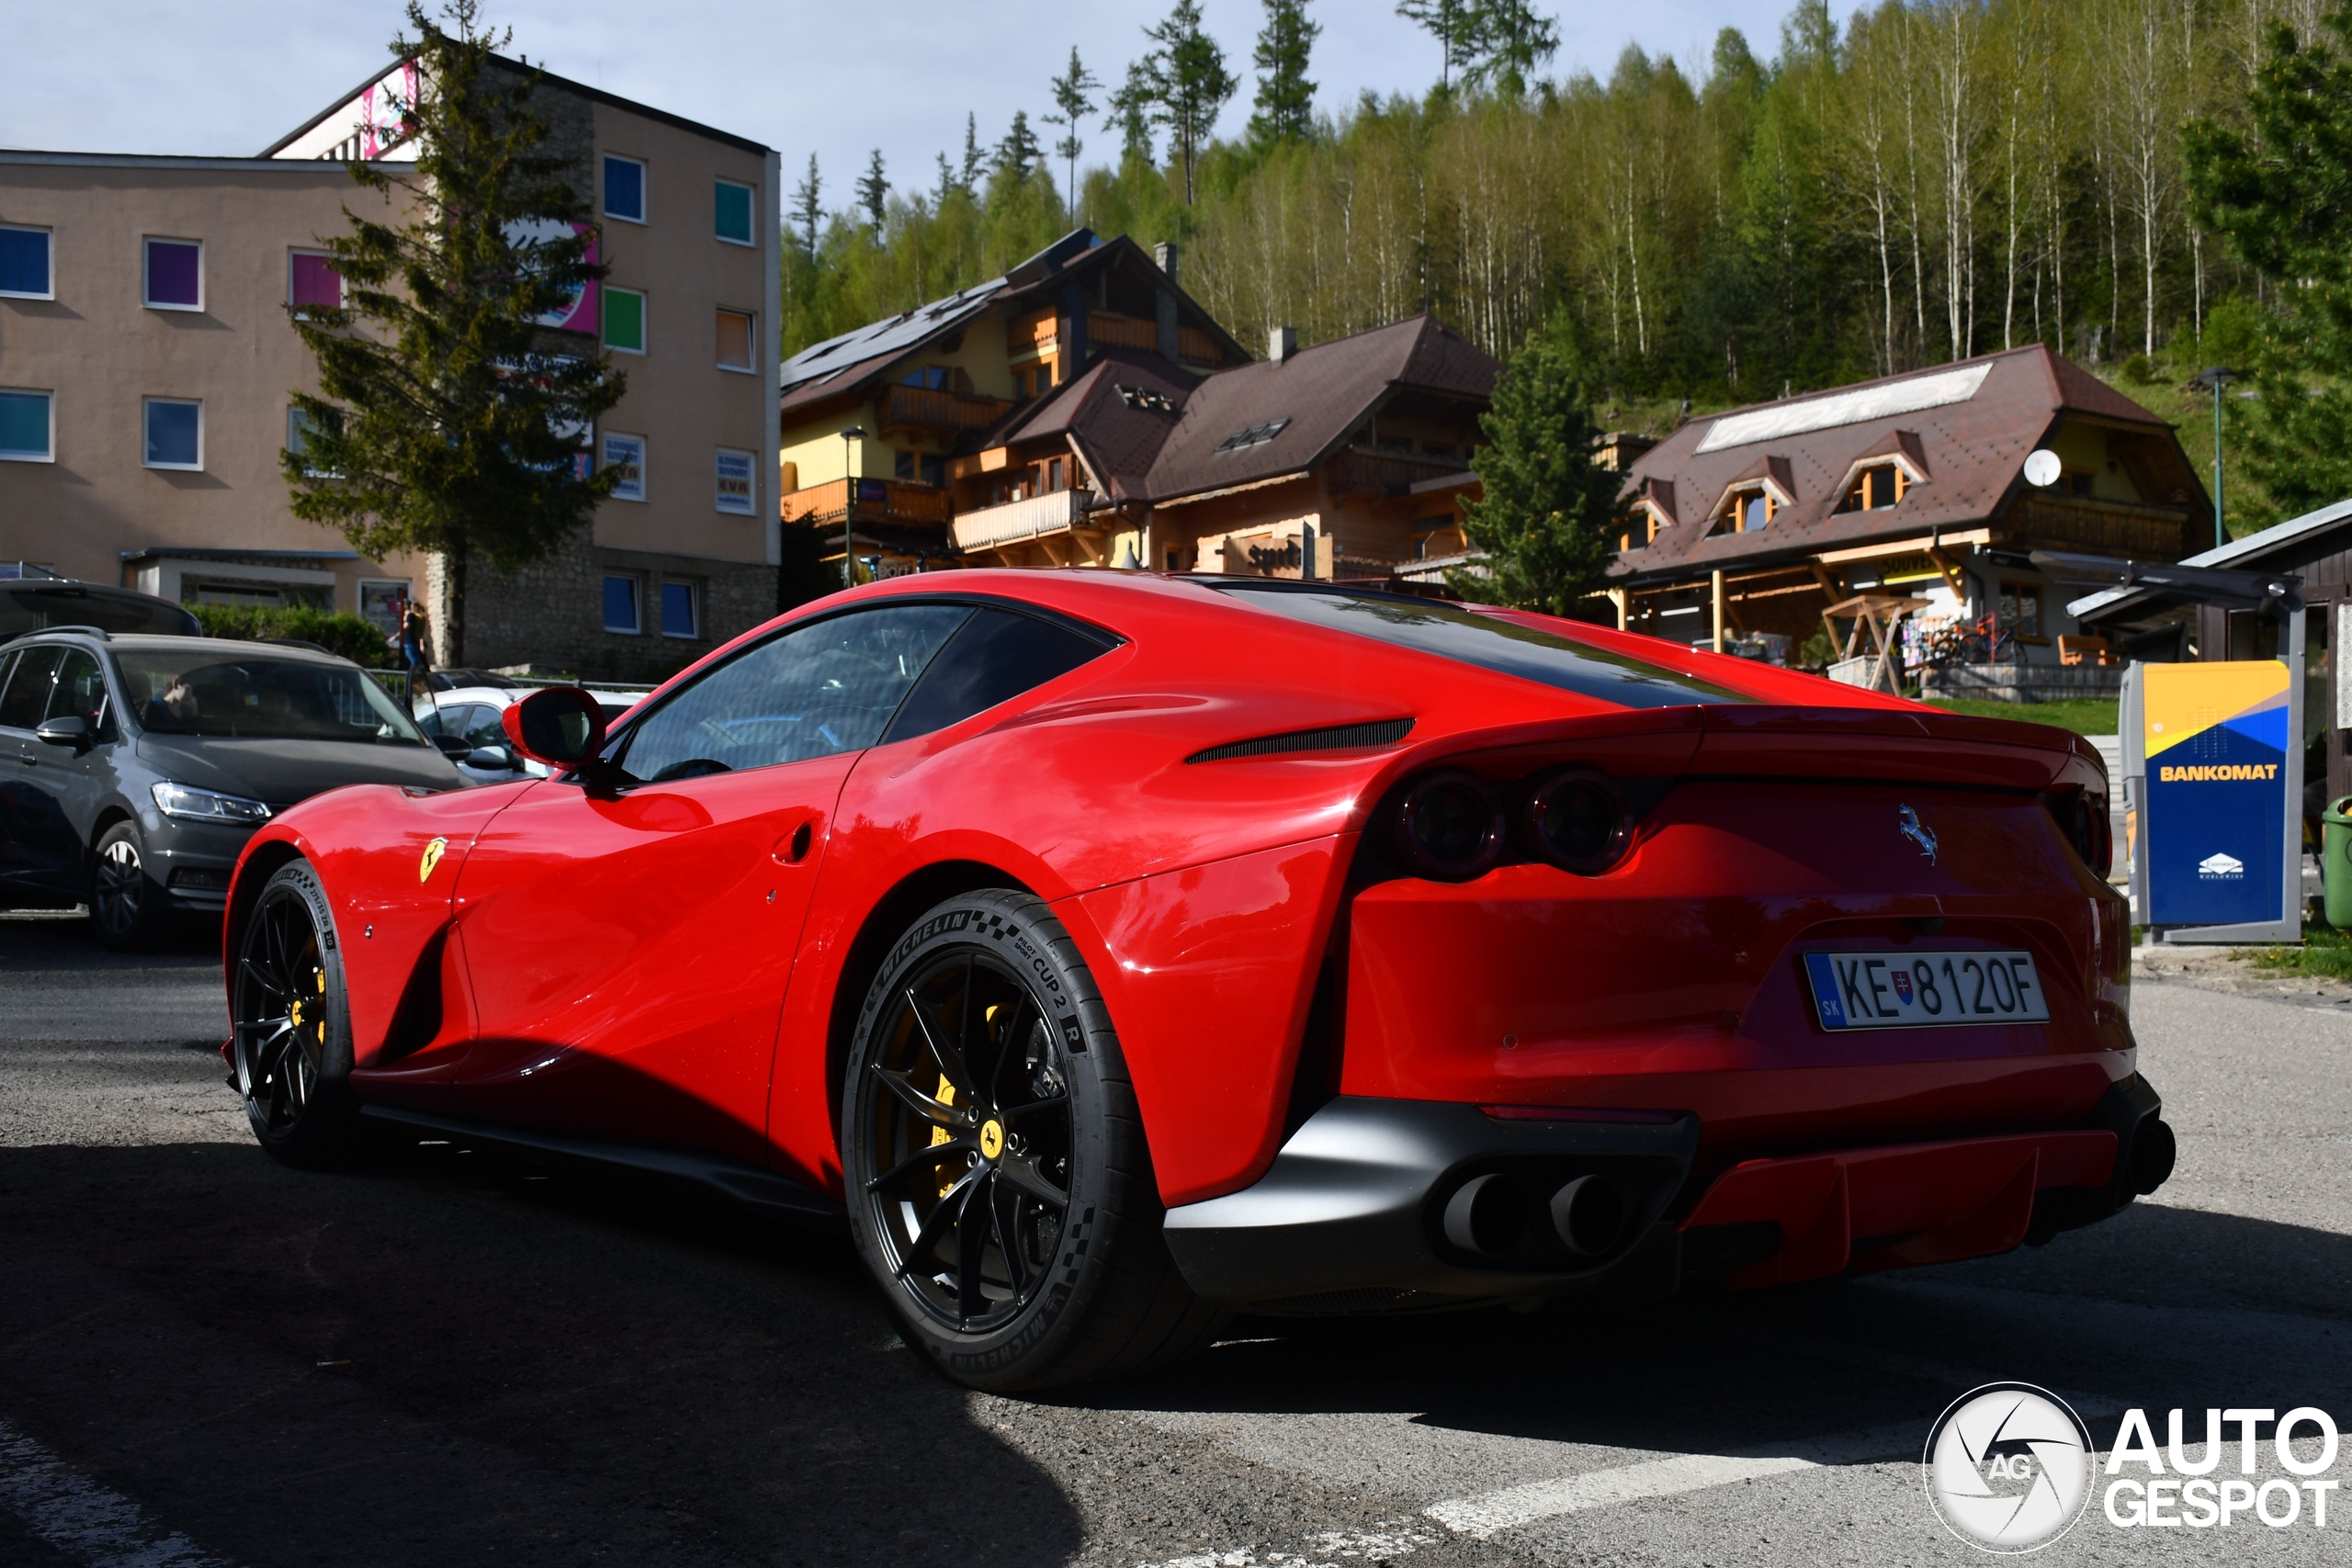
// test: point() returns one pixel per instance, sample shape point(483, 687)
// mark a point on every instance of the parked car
point(37, 603)
point(139, 765)
point(1114, 950)
point(473, 714)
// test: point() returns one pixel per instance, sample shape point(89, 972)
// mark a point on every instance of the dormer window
point(1875, 487)
point(1746, 508)
point(1641, 530)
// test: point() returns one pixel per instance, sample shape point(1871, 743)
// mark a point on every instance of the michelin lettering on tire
point(2007, 1467)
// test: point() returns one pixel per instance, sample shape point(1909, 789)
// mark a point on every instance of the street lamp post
point(2214, 379)
point(850, 438)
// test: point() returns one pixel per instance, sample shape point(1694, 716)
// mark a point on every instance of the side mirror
point(454, 747)
point(490, 758)
point(561, 725)
point(72, 730)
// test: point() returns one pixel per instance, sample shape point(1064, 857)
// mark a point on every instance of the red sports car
point(1118, 950)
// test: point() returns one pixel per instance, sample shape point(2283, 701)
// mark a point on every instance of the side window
point(485, 726)
point(825, 687)
point(26, 697)
point(998, 655)
point(81, 693)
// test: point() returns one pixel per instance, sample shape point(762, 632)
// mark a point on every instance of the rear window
point(26, 608)
point(196, 690)
point(1429, 625)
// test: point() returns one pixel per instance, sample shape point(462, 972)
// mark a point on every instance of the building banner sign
point(735, 492)
point(627, 452)
point(2216, 808)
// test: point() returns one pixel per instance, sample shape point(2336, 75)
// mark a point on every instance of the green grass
point(2325, 952)
point(2084, 716)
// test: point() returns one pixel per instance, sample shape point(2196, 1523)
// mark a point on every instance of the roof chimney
point(1164, 253)
point(1281, 344)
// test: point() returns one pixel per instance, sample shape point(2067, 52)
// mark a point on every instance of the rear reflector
point(1578, 1113)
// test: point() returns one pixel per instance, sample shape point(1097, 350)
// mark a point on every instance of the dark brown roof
point(1118, 413)
point(1972, 449)
point(1317, 396)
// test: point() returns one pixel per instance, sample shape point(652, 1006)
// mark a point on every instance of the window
point(627, 452)
point(1746, 509)
point(678, 609)
point(175, 434)
point(175, 272)
point(2018, 609)
point(934, 472)
point(25, 272)
point(822, 687)
point(625, 320)
point(382, 600)
point(624, 189)
point(621, 606)
point(81, 693)
point(1489, 642)
point(27, 426)
point(25, 696)
point(996, 656)
point(1876, 488)
point(1259, 435)
point(733, 489)
point(734, 341)
point(930, 378)
point(299, 426)
point(314, 282)
point(734, 213)
point(903, 466)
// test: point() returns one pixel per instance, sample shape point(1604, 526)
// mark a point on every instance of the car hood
point(283, 772)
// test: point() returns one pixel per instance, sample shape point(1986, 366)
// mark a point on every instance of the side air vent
point(1339, 738)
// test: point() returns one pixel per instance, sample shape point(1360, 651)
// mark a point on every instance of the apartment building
point(147, 363)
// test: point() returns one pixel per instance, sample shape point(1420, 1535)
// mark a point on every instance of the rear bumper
point(1354, 1214)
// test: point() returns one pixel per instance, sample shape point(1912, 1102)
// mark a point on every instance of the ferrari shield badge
point(431, 858)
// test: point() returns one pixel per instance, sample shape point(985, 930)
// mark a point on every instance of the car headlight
point(193, 805)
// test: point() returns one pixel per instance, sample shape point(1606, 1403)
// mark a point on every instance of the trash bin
point(2335, 862)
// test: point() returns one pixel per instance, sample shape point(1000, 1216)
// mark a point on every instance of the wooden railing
point(1051, 513)
point(1197, 346)
point(1390, 473)
point(878, 501)
point(2108, 527)
point(926, 408)
point(1107, 329)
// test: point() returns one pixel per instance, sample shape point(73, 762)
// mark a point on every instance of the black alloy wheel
point(998, 1185)
point(976, 1130)
point(291, 1026)
point(126, 905)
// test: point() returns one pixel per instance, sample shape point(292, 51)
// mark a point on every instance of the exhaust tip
point(2153, 1149)
point(1486, 1214)
point(1589, 1214)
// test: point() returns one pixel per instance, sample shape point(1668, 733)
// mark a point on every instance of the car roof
point(230, 646)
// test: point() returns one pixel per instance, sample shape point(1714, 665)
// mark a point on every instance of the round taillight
point(1448, 826)
point(1576, 820)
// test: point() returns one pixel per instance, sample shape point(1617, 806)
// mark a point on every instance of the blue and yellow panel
point(2216, 745)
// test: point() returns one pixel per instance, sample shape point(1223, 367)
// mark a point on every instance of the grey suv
point(134, 768)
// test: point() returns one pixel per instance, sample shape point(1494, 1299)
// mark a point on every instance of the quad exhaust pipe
point(1490, 1214)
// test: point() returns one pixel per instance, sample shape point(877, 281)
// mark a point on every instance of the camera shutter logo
point(2008, 1467)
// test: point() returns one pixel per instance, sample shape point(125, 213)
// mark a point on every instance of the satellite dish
point(2041, 469)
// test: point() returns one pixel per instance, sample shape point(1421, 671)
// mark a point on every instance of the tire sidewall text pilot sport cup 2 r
point(1026, 1252)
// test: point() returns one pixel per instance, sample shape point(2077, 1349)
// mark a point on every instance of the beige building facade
point(160, 357)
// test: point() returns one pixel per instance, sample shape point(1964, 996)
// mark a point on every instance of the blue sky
point(803, 75)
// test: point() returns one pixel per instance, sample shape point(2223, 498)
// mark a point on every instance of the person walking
point(414, 642)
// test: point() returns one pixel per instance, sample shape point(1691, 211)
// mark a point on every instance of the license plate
point(1908, 990)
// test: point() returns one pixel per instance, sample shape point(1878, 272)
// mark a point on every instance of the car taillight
point(2082, 815)
point(1576, 820)
point(1450, 827)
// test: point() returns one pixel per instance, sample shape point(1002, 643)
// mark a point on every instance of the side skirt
point(744, 1183)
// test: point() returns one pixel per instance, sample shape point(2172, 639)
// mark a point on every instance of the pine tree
point(1455, 26)
point(871, 190)
point(975, 161)
point(1189, 84)
point(1131, 112)
point(2276, 192)
point(1550, 511)
point(450, 419)
point(947, 185)
point(807, 207)
point(1019, 153)
point(1070, 90)
point(1285, 102)
point(1510, 41)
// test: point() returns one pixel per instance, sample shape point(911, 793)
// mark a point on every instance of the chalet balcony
point(2103, 527)
point(878, 501)
point(1390, 473)
point(924, 408)
point(1055, 511)
point(1107, 329)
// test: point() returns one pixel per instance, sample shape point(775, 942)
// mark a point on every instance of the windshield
point(201, 691)
point(1449, 631)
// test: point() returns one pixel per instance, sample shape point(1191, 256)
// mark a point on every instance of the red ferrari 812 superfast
point(1114, 950)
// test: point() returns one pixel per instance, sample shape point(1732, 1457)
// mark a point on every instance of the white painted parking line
point(1490, 1513)
point(76, 1515)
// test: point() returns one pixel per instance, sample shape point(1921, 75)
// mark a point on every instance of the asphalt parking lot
point(451, 1358)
